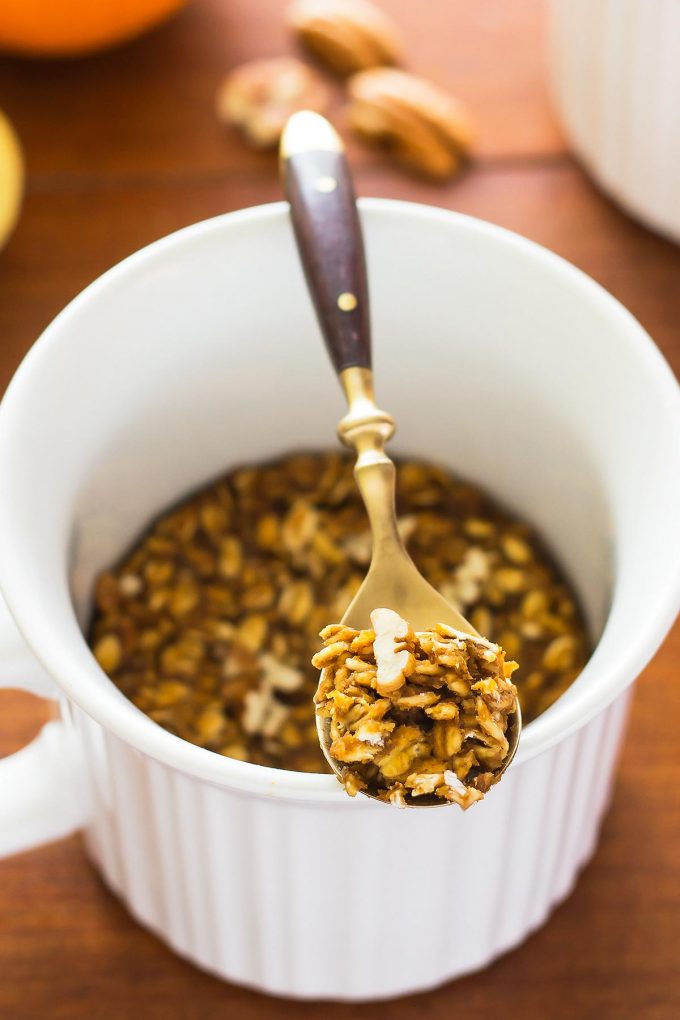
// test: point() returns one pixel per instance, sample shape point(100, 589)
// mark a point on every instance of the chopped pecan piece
point(260, 96)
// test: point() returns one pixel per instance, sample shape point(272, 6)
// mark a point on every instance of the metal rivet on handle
point(347, 302)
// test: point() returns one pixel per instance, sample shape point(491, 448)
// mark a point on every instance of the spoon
point(318, 185)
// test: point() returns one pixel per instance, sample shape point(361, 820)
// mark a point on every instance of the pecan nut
point(348, 35)
point(423, 126)
point(260, 96)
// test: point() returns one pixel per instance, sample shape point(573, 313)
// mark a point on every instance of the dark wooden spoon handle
point(318, 185)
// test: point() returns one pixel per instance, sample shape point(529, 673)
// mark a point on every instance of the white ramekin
point(201, 351)
point(615, 71)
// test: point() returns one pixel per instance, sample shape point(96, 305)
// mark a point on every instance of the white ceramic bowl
point(615, 70)
point(496, 358)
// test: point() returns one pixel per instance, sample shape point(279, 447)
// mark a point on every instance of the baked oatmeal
point(210, 622)
point(415, 717)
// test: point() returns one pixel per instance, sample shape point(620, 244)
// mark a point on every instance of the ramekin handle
point(39, 785)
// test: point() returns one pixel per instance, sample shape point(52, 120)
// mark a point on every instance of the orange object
point(70, 27)
point(11, 178)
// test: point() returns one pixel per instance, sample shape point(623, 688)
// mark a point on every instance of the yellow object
point(71, 27)
point(11, 177)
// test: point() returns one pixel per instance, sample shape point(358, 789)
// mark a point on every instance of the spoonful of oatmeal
point(413, 707)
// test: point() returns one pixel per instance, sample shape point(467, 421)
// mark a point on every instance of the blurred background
point(114, 108)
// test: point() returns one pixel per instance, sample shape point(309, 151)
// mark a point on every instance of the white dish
point(142, 389)
point(616, 80)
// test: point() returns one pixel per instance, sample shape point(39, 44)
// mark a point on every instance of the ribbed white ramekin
point(615, 71)
point(201, 352)
point(323, 902)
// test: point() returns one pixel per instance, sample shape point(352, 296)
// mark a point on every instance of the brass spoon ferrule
point(365, 427)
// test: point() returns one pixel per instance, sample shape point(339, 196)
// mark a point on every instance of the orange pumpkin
point(69, 27)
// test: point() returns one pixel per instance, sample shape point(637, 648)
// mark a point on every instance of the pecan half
point(348, 35)
point(423, 126)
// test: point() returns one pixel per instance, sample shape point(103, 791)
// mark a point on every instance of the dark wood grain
point(123, 148)
point(331, 248)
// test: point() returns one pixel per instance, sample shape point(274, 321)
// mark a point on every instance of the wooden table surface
point(123, 148)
